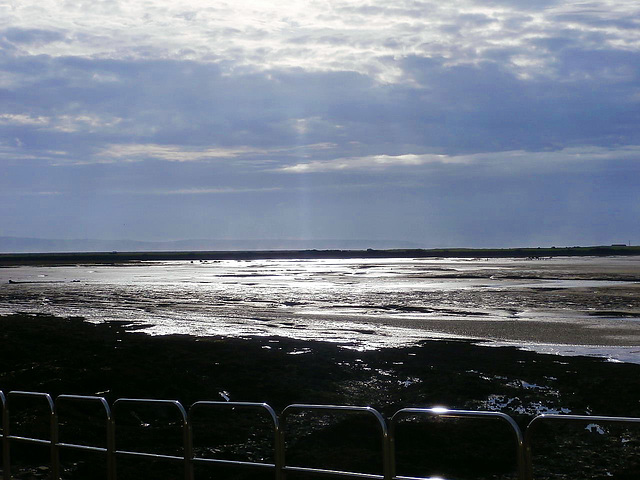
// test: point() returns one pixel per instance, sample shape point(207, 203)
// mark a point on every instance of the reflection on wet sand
point(590, 305)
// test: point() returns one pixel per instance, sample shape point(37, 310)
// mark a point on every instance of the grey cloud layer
point(82, 105)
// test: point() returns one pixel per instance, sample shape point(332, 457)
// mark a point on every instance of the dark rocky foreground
point(55, 355)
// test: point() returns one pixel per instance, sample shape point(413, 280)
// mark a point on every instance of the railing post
point(279, 450)
point(387, 464)
point(6, 456)
point(528, 465)
point(55, 453)
point(111, 449)
point(188, 449)
point(392, 448)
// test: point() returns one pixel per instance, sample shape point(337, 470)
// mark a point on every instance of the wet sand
point(546, 332)
point(571, 305)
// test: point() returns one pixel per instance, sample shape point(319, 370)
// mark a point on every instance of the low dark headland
point(69, 355)
point(124, 257)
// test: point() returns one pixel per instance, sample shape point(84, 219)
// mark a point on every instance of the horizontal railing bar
point(585, 418)
point(447, 413)
point(218, 403)
point(336, 408)
point(24, 394)
point(336, 473)
point(82, 447)
point(239, 463)
point(38, 441)
point(148, 455)
point(101, 400)
point(157, 401)
point(401, 477)
point(314, 406)
point(248, 405)
point(81, 397)
point(152, 401)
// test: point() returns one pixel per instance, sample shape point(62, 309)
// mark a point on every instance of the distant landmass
point(41, 245)
point(118, 257)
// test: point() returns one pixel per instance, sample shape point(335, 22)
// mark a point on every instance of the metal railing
point(277, 466)
point(523, 451)
point(556, 418)
point(384, 438)
point(446, 413)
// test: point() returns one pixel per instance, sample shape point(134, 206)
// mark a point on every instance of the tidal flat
point(519, 336)
point(579, 305)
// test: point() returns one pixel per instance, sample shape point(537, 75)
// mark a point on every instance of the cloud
point(128, 153)
point(576, 157)
point(61, 123)
point(23, 193)
point(588, 96)
point(369, 163)
point(21, 119)
point(171, 153)
point(192, 111)
point(199, 191)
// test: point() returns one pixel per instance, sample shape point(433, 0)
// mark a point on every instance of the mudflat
point(534, 303)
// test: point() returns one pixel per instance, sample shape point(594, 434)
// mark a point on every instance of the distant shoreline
point(8, 259)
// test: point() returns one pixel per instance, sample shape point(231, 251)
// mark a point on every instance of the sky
point(488, 123)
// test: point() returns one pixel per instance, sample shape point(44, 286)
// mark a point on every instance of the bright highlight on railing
point(386, 429)
point(439, 410)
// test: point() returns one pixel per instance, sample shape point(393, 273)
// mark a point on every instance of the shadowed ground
point(57, 356)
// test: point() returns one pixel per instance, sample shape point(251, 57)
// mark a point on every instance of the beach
point(584, 305)
point(522, 337)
